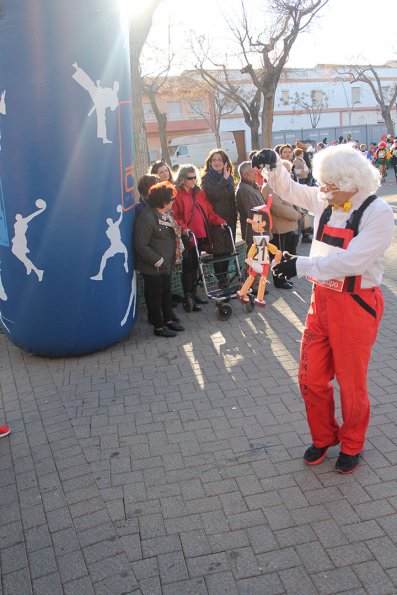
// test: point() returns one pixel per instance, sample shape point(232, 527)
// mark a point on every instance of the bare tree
point(313, 103)
point(224, 82)
point(153, 84)
point(207, 101)
point(139, 30)
point(272, 47)
point(385, 96)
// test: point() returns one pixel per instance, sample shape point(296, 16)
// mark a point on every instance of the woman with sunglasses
point(155, 243)
point(193, 212)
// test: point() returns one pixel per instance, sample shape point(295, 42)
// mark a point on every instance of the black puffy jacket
point(154, 238)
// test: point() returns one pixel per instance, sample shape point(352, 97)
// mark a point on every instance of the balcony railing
point(175, 117)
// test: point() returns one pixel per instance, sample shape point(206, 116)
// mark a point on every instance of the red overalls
point(340, 330)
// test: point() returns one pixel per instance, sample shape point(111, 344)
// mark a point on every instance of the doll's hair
point(347, 168)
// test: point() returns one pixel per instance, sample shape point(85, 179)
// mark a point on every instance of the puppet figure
point(258, 255)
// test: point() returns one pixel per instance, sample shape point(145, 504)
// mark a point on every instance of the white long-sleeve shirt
point(365, 253)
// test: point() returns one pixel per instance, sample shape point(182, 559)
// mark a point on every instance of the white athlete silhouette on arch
point(4, 298)
point(132, 300)
point(3, 109)
point(102, 97)
point(116, 245)
point(19, 241)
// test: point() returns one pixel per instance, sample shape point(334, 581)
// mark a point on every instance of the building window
point(196, 107)
point(356, 94)
point(174, 110)
point(285, 96)
point(317, 97)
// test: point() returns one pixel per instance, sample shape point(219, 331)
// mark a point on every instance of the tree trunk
point(388, 121)
point(218, 139)
point(141, 151)
point(267, 119)
point(139, 30)
point(165, 154)
point(162, 124)
point(255, 137)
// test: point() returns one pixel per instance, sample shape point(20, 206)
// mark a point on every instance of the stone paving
point(174, 466)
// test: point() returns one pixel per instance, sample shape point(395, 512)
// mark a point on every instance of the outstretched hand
point(286, 268)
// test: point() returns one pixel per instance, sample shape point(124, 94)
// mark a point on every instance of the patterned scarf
point(178, 234)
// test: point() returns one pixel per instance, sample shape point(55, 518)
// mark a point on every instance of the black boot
point(199, 300)
point(189, 304)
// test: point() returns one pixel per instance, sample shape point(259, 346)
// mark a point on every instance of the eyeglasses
point(191, 177)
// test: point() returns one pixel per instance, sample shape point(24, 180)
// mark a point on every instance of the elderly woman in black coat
point(155, 243)
point(218, 184)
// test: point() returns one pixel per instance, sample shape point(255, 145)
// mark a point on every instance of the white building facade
point(315, 103)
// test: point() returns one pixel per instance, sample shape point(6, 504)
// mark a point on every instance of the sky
point(346, 31)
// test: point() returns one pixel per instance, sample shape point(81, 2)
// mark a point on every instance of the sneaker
point(4, 431)
point(175, 326)
point(347, 463)
point(314, 455)
point(164, 332)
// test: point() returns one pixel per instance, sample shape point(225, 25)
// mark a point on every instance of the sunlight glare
point(129, 8)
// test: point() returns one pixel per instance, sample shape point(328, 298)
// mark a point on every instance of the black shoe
point(196, 308)
point(199, 300)
point(175, 326)
point(164, 332)
point(315, 455)
point(347, 463)
point(283, 284)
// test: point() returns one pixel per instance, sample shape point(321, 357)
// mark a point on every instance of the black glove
point(265, 157)
point(286, 268)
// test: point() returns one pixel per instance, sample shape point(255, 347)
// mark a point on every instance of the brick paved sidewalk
point(175, 467)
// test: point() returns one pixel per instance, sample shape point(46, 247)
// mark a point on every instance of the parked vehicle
point(194, 149)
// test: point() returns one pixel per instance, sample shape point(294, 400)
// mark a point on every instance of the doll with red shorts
point(258, 259)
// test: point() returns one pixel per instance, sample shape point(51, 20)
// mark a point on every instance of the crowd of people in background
point(191, 208)
point(382, 155)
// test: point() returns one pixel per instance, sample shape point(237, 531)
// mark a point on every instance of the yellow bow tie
point(345, 207)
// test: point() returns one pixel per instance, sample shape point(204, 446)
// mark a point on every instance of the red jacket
point(182, 208)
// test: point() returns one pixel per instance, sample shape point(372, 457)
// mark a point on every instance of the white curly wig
point(347, 168)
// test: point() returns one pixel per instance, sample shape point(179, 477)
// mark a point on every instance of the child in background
point(300, 168)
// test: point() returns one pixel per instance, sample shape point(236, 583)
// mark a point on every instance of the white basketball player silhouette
point(3, 296)
point(132, 299)
point(102, 97)
point(116, 245)
point(19, 241)
point(3, 109)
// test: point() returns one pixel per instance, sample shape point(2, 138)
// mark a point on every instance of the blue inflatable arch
point(67, 282)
